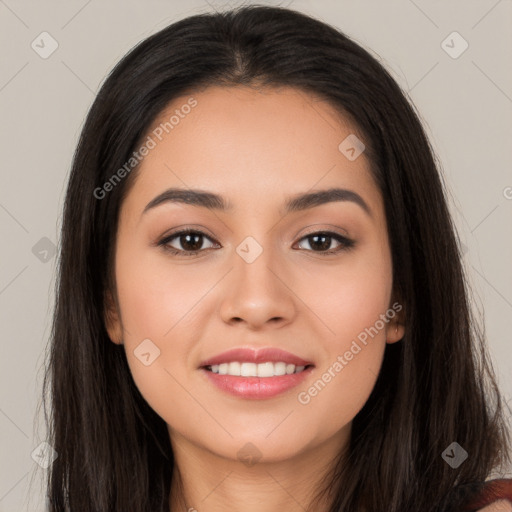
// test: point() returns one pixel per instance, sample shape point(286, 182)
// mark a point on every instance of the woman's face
point(261, 277)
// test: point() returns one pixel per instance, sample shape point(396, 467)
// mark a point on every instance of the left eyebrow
point(298, 202)
point(301, 202)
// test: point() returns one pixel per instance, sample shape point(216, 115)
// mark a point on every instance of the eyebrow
point(296, 203)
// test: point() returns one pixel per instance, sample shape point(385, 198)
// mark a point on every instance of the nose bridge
point(257, 292)
point(255, 266)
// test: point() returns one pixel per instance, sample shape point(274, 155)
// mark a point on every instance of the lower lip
point(256, 388)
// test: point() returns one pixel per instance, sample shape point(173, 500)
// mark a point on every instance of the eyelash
point(346, 243)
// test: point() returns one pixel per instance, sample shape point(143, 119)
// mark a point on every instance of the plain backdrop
point(465, 101)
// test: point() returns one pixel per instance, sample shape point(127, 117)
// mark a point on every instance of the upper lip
point(248, 355)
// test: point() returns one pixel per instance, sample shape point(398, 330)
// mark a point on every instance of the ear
point(112, 319)
point(395, 328)
point(395, 331)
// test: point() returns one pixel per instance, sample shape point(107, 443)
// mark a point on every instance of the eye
point(190, 240)
point(322, 240)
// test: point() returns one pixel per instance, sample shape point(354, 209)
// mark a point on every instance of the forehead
point(248, 143)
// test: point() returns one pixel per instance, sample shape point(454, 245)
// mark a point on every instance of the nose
point(258, 293)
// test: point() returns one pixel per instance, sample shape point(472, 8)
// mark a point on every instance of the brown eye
point(191, 242)
point(321, 242)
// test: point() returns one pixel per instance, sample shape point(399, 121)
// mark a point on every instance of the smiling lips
point(247, 373)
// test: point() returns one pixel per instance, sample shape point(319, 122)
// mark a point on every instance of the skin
point(255, 148)
point(498, 506)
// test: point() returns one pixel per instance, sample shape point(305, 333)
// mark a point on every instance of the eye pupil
point(324, 245)
point(191, 246)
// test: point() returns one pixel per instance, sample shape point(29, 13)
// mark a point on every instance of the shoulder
point(495, 496)
point(498, 506)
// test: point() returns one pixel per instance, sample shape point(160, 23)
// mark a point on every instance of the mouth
point(262, 381)
point(257, 375)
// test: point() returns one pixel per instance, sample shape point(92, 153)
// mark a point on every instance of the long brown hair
point(436, 386)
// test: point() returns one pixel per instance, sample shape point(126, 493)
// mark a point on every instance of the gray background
point(465, 103)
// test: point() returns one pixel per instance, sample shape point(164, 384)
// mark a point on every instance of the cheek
point(349, 297)
point(157, 316)
point(167, 304)
point(353, 305)
point(356, 312)
point(157, 298)
point(340, 389)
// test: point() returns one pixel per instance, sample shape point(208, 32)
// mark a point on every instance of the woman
point(261, 303)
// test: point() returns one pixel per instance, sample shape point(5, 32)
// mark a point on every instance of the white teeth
point(248, 370)
point(280, 368)
point(267, 369)
point(235, 368)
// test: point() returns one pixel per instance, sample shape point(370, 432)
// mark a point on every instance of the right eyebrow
point(194, 197)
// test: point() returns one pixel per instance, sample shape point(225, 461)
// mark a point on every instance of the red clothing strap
point(493, 490)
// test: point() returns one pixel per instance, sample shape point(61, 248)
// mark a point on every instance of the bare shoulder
point(498, 506)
